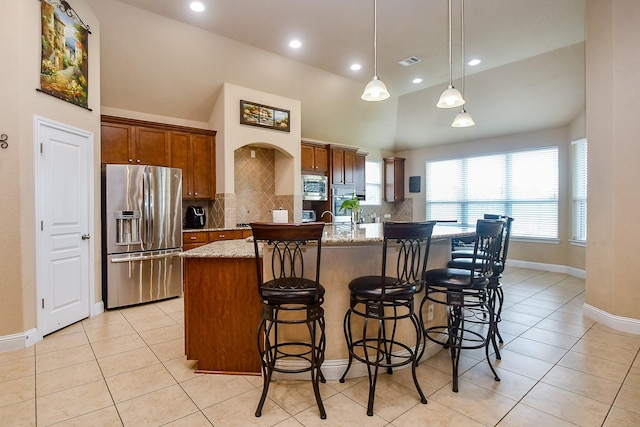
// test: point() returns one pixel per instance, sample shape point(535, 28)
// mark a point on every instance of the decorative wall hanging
point(264, 116)
point(414, 184)
point(64, 65)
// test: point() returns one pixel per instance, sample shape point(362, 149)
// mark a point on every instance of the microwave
point(315, 187)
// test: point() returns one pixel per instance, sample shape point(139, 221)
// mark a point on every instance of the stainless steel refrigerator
point(141, 234)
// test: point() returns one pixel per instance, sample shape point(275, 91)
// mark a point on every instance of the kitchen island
point(222, 307)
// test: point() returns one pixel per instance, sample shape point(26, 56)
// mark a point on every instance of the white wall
point(225, 118)
point(20, 43)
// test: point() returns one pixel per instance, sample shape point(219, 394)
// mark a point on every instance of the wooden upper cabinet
point(203, 166)
point(393, 179)
point(195, 155)
point(151, 147)
point(349, 167)
point(131, 141)
point(180, 155)
point(360, 178)
point(314, 158)
point(116, 143)
point(343, 164)
point(337, 166)
point(125, 143)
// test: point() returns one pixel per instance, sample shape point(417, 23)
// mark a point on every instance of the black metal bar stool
point(464, 292)
point(288, 299)
point(388, 300)
point(462, 259)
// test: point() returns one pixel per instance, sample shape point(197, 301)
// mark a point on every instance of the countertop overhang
point(334, 235)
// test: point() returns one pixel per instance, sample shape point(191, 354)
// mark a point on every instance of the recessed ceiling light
point(197, 6)
point(355, 67)
point(474, 62)
point(295, 44)
point(416, 80)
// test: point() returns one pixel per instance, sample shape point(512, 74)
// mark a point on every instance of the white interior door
point(63, 219)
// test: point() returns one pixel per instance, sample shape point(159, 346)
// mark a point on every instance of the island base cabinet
point(222, 312)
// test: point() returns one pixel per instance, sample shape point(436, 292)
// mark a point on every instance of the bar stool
point(289, 299)
point(462, 259)
point(464, 292)
point(388, 300)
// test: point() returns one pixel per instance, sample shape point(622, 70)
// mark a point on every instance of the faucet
point(329, 212)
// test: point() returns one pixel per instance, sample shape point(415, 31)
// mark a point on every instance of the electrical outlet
point(430, 312)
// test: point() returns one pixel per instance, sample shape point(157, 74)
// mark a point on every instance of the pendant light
point(451, 97)
point(375, 89)
point(463, 119)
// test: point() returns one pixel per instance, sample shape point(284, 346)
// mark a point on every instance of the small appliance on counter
point(195, 217)
point(308, 215)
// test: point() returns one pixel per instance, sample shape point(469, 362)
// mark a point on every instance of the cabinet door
point(337, 166)
point(306, 158)
point(215, 236)
point(180, 159)
point(399, 180)
point(202, 154)
point(360, 178)
point(152, 147)
point(349, 166)
point(321, 159)
point(393, 179)
point(116, 143)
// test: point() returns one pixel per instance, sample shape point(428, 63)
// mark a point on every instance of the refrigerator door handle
point(145, 257)
point(148, 227)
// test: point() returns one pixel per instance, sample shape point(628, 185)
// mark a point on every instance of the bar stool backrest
point(288, 242)
point(413, 240)
point(504, 241)
point(487, 247)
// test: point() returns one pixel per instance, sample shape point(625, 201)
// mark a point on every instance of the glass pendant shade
point(450, 98)
point(375, 91)
point(463, 120)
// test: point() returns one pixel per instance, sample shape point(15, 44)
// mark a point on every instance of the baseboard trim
point(554, 268)
point(19, 341)
point(619, 323)
point(98, 308)
point(30, 337)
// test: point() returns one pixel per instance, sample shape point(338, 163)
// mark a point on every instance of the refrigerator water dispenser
point(127, 227)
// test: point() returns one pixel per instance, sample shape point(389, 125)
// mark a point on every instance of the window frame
point(579, 190)
point(370, 182)
point(541, 225)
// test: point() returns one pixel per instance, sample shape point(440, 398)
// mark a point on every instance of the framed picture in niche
point(264, 116)
point(414, 184)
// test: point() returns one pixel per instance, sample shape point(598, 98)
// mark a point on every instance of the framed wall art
point(64, 64)
point(264, 116)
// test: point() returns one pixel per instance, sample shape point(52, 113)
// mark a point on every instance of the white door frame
point(37, 123)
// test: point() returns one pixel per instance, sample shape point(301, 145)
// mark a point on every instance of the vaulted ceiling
point(531, 75)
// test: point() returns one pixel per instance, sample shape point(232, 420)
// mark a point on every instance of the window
point(522, 184)
point(373, 183)
point(579, 192)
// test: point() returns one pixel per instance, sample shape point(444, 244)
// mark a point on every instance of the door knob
point(86, 236)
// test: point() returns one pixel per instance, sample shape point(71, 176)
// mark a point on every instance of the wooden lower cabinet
point(222, 311)
point(193, 239)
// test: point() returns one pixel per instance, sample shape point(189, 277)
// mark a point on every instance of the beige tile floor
point(127, 367)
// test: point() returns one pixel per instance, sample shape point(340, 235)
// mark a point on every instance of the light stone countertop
point(334, 235)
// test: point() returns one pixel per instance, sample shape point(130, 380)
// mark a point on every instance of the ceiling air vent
point(409, 61)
